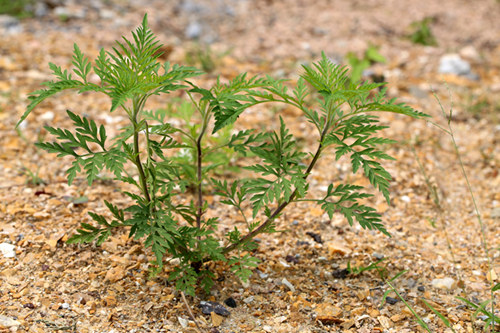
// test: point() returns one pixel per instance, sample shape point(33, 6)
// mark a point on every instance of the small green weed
point(32, 178)
point(422, 33)
point(204, 57)
point(17, 8)
point(372, 266)
point(488, 315)
point(359, 65)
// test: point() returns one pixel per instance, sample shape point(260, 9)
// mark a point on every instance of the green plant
point(18, 8)
point(491, 319)
point(218, 159)
point(359, 65)
point(356, 270)
point(204, 56)
point(32, 177)
point(172, 225)
point(422, 33)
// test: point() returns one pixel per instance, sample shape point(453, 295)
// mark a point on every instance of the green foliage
point(217, 160)
point(18, 8)
point(422, 33)
point(356, 270)
point(392, 289)
point(163, 158)
point(32, 177)
point(489, 318)
point(359, 65)
point(204, 57)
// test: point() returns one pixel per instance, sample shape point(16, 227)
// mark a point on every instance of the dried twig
point(198, 328)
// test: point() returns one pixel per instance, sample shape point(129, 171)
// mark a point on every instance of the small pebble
point(47, 116)
point(10, 24)
point(288, 284)
point(64, 306)
point(315, 236)
point(29, 306)
point(8, 250)
point(249, 299)
point(207, 307)
point(284, 263)
point(6, 322)
point(453, 64)
point(445, 283)
point(230, 302)
point(391, 300)
point(193, 30)
point(340, 273)
point(378, 256)
point(292, 259)
point(183, 322)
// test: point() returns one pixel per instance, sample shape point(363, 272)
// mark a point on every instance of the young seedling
point(359, 65)
point(180, 229)
point(422, 33)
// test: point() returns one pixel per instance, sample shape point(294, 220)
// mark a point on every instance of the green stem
point(419, 319)
point(138, 163)
point(199, 185)
point(137, 106)
point(279, 209)
point(199, 160)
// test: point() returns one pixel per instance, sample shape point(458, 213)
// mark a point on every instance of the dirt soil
point(302, 284)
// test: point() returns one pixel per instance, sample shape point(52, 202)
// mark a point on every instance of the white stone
point(183, 322)
point(49, 115)
point(8, 250)
point(249, 299)
point(284, 264)
point(453, 64)
point(6, 322)
point(444, 283)
point(288, 284)
point(406, 198)
point(194, 30)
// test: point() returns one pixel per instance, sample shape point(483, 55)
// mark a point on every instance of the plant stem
point(199, 158)
point(137, 106)
point(279, 209)
point(469, 188)
point(138, 163)
point(419, 319)
point(198, 176)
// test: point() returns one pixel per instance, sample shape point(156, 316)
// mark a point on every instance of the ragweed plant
point(172, 228)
